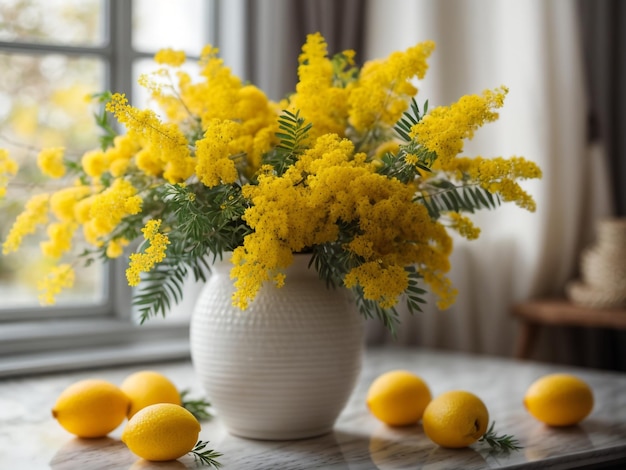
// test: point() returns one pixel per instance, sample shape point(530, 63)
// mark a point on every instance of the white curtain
point(532, 47)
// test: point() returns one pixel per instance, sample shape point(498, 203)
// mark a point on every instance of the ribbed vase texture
point(285, 367)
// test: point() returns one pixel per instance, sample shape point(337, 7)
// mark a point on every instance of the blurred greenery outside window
point(53, 55)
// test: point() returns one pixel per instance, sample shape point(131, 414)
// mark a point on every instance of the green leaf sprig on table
point(501, 443)
point(205, 457)
point(197, 407)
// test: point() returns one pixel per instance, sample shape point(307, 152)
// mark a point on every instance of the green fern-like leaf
point(158, 288)
point(409, 119)
point(414, 293)
point(331, 260)
point(293, 135)
point(294, 132)
point(162, 287)
point(103, 121)
point(444, 196)
point(208, 224)
point(398, 165)
point(204, 456)
point(210, 217)
point(332, 263)
point(389, 317)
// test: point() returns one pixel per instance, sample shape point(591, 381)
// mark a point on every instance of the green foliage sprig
point(293, 137)
point(442, 195)
point(206, 456)
point(103, 120)
point(502, 443)
point(198, 407)
point(208, 224)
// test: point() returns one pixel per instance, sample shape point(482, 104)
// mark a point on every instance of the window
point(41, 104)
point(52, 54)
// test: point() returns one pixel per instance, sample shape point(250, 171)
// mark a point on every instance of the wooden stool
point(536, 313)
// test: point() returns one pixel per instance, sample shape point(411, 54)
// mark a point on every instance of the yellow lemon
point(559, 399)
point(148, 387)
point(161, 432)
point(455, 419)
point(398, 398)
point(91, 408)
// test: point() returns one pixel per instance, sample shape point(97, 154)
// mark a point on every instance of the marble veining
point(30, 439)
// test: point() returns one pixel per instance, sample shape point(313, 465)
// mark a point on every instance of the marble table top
point(30, 439)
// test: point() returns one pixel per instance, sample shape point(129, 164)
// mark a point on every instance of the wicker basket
point(603, 268)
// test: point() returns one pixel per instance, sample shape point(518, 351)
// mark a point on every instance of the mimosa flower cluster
point(348, 168)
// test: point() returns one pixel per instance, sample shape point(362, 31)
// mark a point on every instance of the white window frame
point(69, 339)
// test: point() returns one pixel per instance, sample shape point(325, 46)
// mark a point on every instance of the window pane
point(67, 22)
point(43, 104)
point(158, 24)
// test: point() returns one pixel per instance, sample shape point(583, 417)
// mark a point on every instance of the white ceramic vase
point(285, 367)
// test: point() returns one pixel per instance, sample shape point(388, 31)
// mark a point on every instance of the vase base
point(279, 435)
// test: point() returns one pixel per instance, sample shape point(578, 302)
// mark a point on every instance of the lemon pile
point(459, 418)
point(158, 427)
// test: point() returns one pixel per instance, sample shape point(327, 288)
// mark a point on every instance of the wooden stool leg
point(526, 339)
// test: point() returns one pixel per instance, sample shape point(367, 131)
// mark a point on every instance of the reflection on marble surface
point(30, 439)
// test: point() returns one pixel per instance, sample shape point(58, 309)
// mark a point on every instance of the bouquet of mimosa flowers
point(351, 167)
